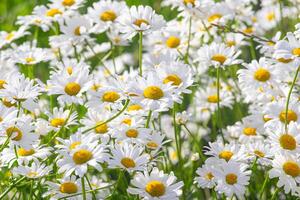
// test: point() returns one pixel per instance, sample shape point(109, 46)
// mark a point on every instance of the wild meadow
point(149, 99)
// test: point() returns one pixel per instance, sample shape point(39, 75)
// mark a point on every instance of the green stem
point(219, 117)
point(176, 133)
point(83, 189)
point(141, 53)
point(264, 186)
point(11, 187)
point(275, 194)
point(252, 49)
point(186, 57)
point(90, 185)
point(288, 99)
point(110, 119)
point(148, 119)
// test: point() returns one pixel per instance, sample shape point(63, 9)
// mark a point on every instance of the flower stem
point(11, 187)
point(148, 119)
point(141, 52)
point(110, 119)
point(90, 185)
point(177, 134)
point(219, 117)
point(83, 189)
point(263, 187)
point(186, 57)
point(288, 99)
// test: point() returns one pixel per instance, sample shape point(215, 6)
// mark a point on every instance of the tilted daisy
point(35, 170)
point(70, 88)
point(132, 133)
point(232, 178)
point(219, 13)
point(129, 157)
point(155, 185)
point(20, 133)
point(105, 13)
point(67, 4)
point(67, 145)
point(64, 188)
point(25, 156)
point(8, 37)
point(82, 156)
point(260, 151)
point(140, 19)
point(217, 55)
point(287, 168)
point(249, 130)
point(7, 115)
point(60, 117)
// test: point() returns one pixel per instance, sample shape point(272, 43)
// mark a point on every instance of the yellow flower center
point(266, 119)
point(291, 168)
point(155, 188)
point(214, 17)
point(270, 16)
point(134, 107)
point(9, 36)
point(128, 162)
point(127, 121)
point(139, 22)
point(262, 75)
point(52, 12)
point(213, 99)
point(110, 96)
point(74, 145)
point(68, 2)
point(283, 60)
point(29, 60)
point(226, 155)
point(77, 31)
point(291, 116)
point(176, 80)
point(68, 188)
point(72, 88)
point(153, 92)
point(101, 128)
point(8, 103)
point(189, 2)
point(12, 130)
point(209, 176)
point(132, 133)
point(2, 83)
point(152, 145)
point(173, 42)
point(82, 156)
point(219, 58)
point(296, 52)
point(24, 152)
point(287, 141)
point(70, 70)
point(231, 43)
point(1, 119)
point(32, 174)
point(231, 179)
point(248, 30)
point(258, 153)
point(108, 15)
point(57, 122)
point(249, 131)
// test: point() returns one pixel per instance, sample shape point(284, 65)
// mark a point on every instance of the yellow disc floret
point(219, 58)
point(82, 156)
point(173, 42)
point(231, 178)
point(128, 162)
point(68, 188)
point(262, 75)
point(173, 78)
point(226, 155)
point(291, 116)
point(110, 96)
point(72, 88)
point(291, 168)
point(288, 142)
point(153, 92)
point(155, 188)
point(108, 15)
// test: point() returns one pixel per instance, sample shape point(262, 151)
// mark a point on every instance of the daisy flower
point(217, 55)
point(286, 167)
point(206, 178)
point(155, 185)
point(260, 151)
point(105, 13)
point(140, 19)
point(61, 118)
point(129, 157)
point(70, 88)
point(36, 170)
point(232, 178)
point(82, 156)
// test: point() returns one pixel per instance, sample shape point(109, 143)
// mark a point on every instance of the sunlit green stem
point(141, 53)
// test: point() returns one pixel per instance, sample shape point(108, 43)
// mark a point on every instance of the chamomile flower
point(140, 19)
point(129, 157)
point(61, 117)
point(84, 155)
point(36, 170)
point(206, 178)
point(232, 178)
point(155, 185)
point(217, 55)
point(260, 151)
point(105, 13)
point(132, 133)
point(70, 88)
point(286, 167)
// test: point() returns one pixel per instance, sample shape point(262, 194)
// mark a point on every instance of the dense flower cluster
point(121, 102)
